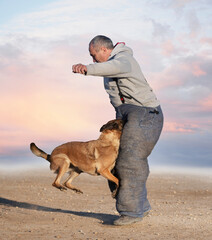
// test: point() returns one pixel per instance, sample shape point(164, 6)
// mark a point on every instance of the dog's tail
point(39, 153)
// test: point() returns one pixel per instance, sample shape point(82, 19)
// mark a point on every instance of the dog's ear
point(111, 125)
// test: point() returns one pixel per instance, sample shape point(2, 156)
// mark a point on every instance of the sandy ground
point(30, 208)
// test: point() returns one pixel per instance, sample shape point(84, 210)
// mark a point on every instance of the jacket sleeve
point(112, 68)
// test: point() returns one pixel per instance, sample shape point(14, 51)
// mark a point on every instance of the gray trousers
point(140, 134)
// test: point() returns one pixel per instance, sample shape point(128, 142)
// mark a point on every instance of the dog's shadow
point(107, 219)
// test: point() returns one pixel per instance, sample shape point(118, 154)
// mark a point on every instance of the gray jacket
point(122, 66)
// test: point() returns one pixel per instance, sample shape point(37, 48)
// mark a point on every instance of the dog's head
point(116, 124)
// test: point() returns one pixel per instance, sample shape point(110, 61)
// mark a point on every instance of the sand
point(30, 208)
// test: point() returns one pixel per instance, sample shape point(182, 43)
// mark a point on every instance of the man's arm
point(111, 68)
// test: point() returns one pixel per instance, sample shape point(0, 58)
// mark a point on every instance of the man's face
point(101, 55)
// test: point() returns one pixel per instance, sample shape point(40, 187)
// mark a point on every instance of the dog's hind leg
point(68, 184)
point(61, 171)
point(107, 174)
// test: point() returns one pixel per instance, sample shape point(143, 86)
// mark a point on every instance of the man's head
point(100, 48)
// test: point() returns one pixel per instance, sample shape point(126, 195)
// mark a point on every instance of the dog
point(95, 157)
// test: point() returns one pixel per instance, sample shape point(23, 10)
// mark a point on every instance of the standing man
point(135, 103)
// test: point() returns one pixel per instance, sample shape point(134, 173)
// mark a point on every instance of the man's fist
point(79, 68)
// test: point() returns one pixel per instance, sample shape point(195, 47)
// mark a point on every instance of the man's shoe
point(126, 220)
point(146, 213)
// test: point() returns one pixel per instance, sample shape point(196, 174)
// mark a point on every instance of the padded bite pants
point(140, 134)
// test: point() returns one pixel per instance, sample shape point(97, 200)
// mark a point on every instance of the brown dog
point(96, 157)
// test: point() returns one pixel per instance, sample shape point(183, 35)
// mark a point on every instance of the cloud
point(206, 103)
point(207, 40)
point(8, 51)
point(175, 127)
point(193, 24)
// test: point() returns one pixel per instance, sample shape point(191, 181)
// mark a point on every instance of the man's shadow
point(106, 218)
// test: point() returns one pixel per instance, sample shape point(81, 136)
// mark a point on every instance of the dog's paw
point(114, 193)
point(76, 190)
point(64, 189)
point(61, 187)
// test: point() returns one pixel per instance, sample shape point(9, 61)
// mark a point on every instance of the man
point(135, 103)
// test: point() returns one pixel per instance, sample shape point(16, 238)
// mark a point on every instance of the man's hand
point(79, 68)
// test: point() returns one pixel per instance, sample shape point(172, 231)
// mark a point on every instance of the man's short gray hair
point(100, 41)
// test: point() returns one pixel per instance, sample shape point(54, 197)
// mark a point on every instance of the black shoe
point(126, 220)
point(146, 213)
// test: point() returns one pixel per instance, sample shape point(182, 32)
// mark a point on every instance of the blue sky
point(11, 8)
point(43, 101)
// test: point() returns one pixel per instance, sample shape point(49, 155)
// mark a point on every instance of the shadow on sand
point(106, 218)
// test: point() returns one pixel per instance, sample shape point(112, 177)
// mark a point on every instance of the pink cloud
point(164, 79)
point(192, 67)
point(168, 48)
point(197, 70)
point(176, 127)
point(177, 74)
point(206, 103)
point(206, 40)
point(180, 3)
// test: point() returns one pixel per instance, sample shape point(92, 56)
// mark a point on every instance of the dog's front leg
point(107, 174)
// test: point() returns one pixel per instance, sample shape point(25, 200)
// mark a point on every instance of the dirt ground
point(30, 208)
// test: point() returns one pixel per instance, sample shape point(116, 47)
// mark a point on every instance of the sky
point(42, 101)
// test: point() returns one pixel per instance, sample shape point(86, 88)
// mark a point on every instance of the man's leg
point(132, 170)
point(146, 204)
point(139, 136)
